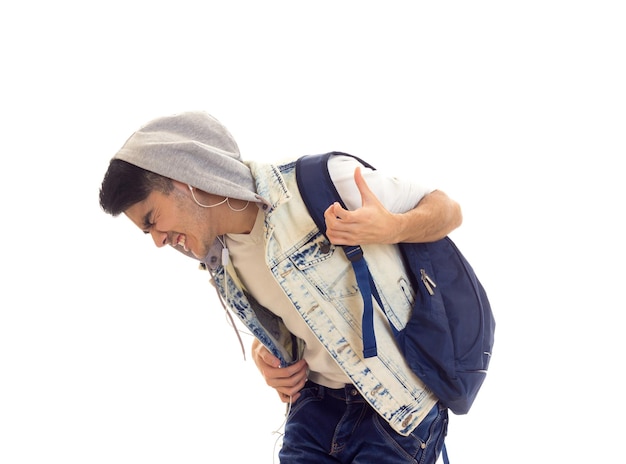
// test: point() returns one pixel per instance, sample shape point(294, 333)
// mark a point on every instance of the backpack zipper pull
point(428, 282)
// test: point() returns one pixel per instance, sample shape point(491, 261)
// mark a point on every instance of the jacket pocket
point(325, 267)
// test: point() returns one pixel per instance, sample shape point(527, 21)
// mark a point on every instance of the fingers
point(370, 223)
point(337, 211)
point(345, 227)
point(285, 398)
point(287, 381)
point(337, 223)
point(366, 193)
point(262, 356)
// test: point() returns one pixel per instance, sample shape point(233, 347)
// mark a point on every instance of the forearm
point(433, 218)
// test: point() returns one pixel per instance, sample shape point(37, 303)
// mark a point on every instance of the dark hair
point(125, 184)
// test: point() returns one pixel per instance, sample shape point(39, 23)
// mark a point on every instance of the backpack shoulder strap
point(316, 187)
point(318, 192)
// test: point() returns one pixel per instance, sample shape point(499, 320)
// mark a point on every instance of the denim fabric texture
point(338, 426)
point(320, 282)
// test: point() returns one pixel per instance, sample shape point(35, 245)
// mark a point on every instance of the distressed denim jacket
point(320, 282)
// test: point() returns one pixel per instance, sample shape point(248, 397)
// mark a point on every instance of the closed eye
point(147, 222)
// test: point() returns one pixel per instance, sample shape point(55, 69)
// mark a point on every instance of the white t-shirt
point(247, 255)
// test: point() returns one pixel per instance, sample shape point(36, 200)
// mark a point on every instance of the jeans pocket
point(307, 395)
point(424, 444)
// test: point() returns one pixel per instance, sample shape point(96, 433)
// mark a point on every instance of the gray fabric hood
point(193, 148)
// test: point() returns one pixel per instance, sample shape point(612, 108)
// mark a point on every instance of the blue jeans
point(338, 426)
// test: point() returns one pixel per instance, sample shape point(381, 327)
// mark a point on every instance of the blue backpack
point(448, 340)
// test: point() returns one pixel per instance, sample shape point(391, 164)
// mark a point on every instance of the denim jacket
point(320, 282)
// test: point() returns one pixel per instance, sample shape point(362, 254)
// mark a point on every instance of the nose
point(160, 238)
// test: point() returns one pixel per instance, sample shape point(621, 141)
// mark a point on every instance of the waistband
point(349, 393)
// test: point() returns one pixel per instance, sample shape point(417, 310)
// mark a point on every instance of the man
point(181, 179)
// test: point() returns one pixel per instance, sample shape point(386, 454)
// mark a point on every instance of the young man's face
point(175, 219)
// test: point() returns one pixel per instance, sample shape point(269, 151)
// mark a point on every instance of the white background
point(112, 351)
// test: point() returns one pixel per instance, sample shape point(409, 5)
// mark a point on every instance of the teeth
point(181, 242)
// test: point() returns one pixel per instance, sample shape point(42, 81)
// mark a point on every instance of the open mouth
point(181, 241)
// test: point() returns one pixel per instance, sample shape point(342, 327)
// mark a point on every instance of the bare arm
point(433, 218)
point(287, 381)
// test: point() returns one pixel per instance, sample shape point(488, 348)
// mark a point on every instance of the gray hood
point(193, 148)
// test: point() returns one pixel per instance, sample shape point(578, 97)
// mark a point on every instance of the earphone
point(225, 200)
point(225, 254)
point(205, 206)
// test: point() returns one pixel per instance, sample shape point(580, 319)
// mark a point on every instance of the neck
point(245, 218)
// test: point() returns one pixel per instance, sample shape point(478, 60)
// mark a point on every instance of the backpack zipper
point(428, 282)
